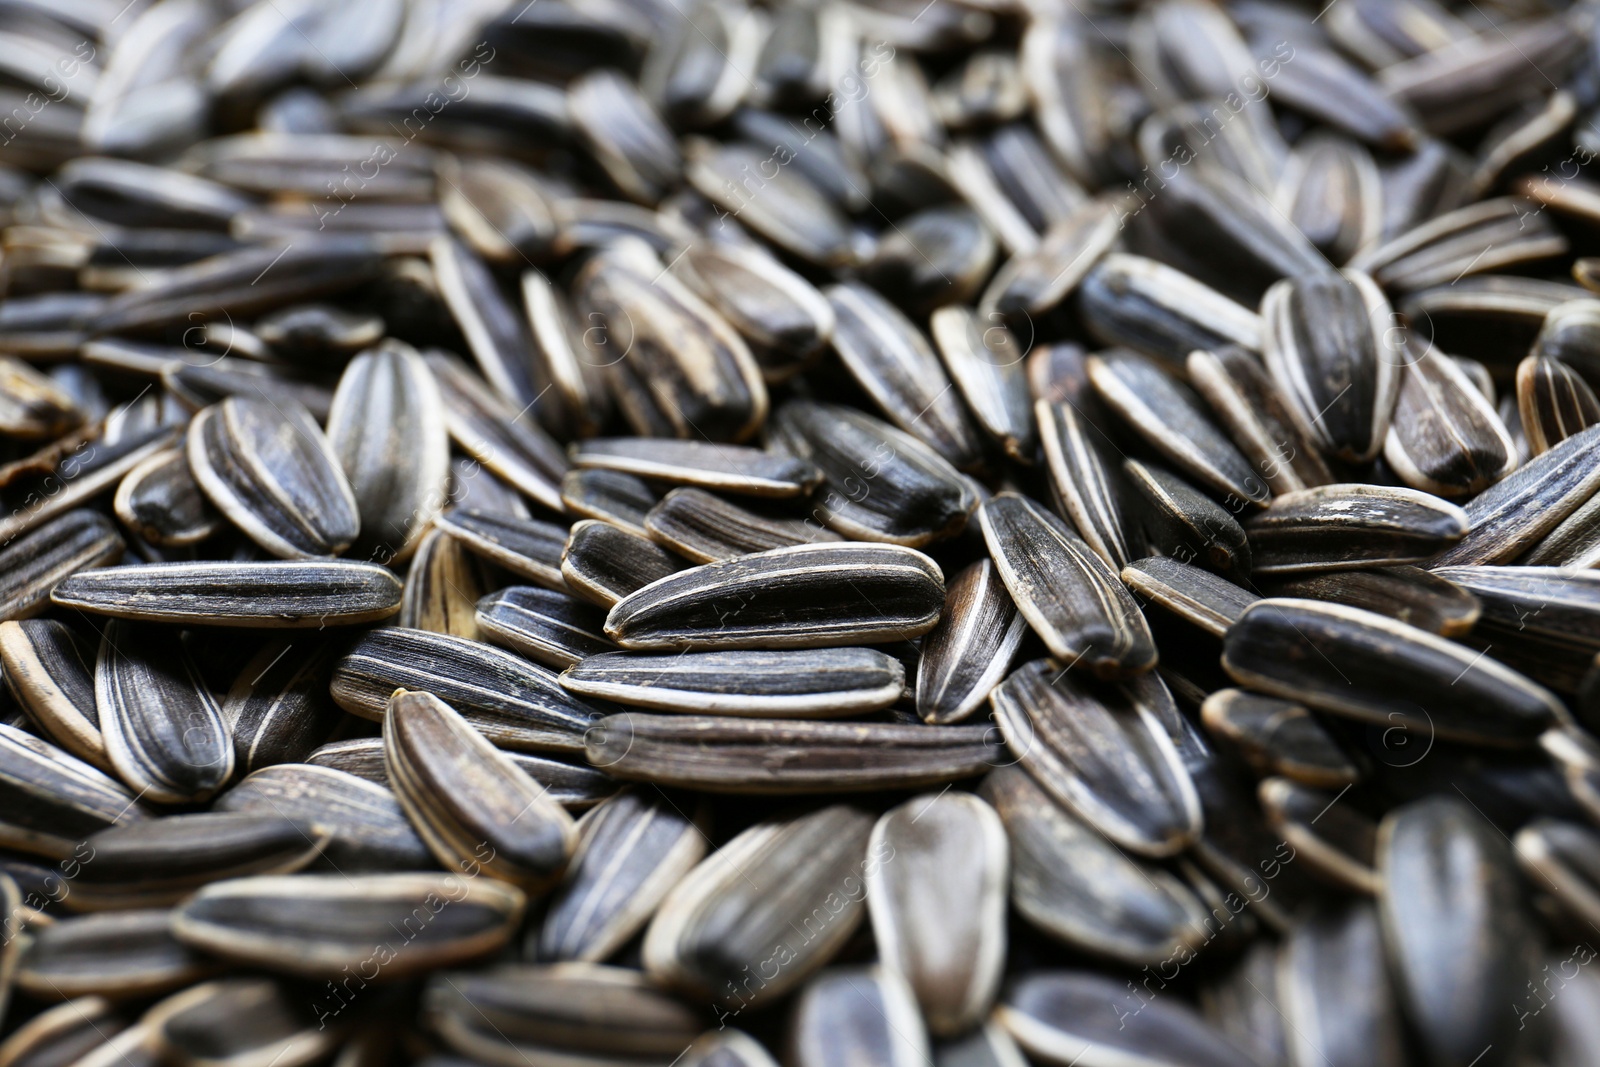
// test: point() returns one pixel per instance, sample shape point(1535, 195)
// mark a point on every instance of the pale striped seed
point(1104, 752)
point(294, 594)
point(33, 564)
point(163, 729)
point(558, 343)
point(161, 502)
point(511, 701)
point(363, 821)
point(315, 925)
point(1339, 1002)
point(526, 547)
point(1554, 401)
point(77, 471)
point(938, 910)
point(266, 465)
point(622, 500)
point(1486, 236)
point(237, 1022)
point(443, 586)
point(1279, 737)
point(1406, 594)
point(500, 208)
point(1193, 594)
point(1068, 595)
point(971, 649)
point(1355, 663)
point(624, 134)
point(1350, 527)
point(1446, 437)
point(748, 901)
point(474, 807)
point(734, 469)
point(632, 850)
point(984, 361)
point(603, 563)
point(52, 799)
point(807, 596)
point(791, 683)
point(278, 709)
point(858, 1015)
point(1084, 479)
point(550, 628)
point(49, 670)
point(387, 426)
point(790, 211)
point(1077, 887)
point(1335, 841)
point(704, 528)
point(118, 954)
point(1178, 520)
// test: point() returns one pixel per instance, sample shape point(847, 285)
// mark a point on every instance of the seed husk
point(971, 648)
point(1084, 479)
point(1102, 750)
point(49, 670)
point(858, 1014)
point(572, 786)
point(1410, 595)
point(791, 211)
point(1279, 737)
point(1192, 593)
point(548, 627)
point(746, 901)
point(74, 473)
point(117, 954)
point(1243, 1004)
point(267, 466)
point(781, 315)
point(1350, 527)
point(443, 586)
point(1554, 402)
point(632, 850)
point(603, 563)
point(1156, 309)
point(1575, 542)
point(1445, 437)
point(1069, 596)
point(1178, 520)
point(513, 702)
point(32, 406)
point(934, 257)
point(985, 362)
point(948, 944)
point(475, 808)
point(287, 594)
point(730, 1048)
point(367, 829)
point(278, 708)
point(790, 683)
point(1351, 662)
point(1485, 236)
point(53, 799)
point(161, 502)
point(610, 496)
point(725, 468)
point(495, 333)
point(529, 548)
point(786, 598)
point(1338, 999)
point(704, 528)
point(398, 475)
point(36, 562)
point(314, 925)
point(238, 1022)
point(1035, 282)
point(1335, 841)
point(1562, 857)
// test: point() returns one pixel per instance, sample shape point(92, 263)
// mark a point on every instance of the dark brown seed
point(1554, 402)
point(1349, 527)
point(725, 468)
point(310, 594)
point(1178, 520)
point(278, 708)
point(985, 362)
point(237, 1021)
point(1151, 307)
point(620, 499)
point(971, 649)
point(49, 669)
point(1084, 479)
point(73, 472)
point(1193, 594)
point(366, 828)
point(527, 547)
point(573, 787)
point(704, 528)
point(1339, 1001)
point(495, 332)
point(1279, 737)
point(547, 627)
point(54, 800)
point(161, 502)
point(603, 563)
point(1445, 437)
point(121, 954)
point(504, 440)
point(858, 1015)
point(1405, 594)
point(33, 564)
point(1335, 841)
point(783, 317)
point(443, 586)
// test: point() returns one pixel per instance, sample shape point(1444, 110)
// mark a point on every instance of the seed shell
point(726, 468)
point(49, 670)
point(970, 651)
point(161, 502)
point(529, 548)
point(36, 562)
point(550, 628)
point(1349, 527)
point(279, 594)
point(603, 563)
point(704, 528)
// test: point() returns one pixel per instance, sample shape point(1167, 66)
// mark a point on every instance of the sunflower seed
point(1575, 542)
point(732, 1048)
point(1279, 737)
point(158, 862)
point(788, 886)
point(363, 821)
point(311, 332)
point(34, 564)
point(73, 473)
point(1351, 662)
point(782, 317)
point(484, 427)
point(278, 593)
point(1193, 594)
point(796, 683)
point(1338, 999)
point(526, 547)
point(278, 708)
point(603, 563)
point(858, 1014)
point(609, 496)
point(1562, 856)
point(1034, 283)
point(54, 799)
point(443, 586)
point(512, 702)
point(1180, 521)
point(879, 483)
point(726, 468)
point(1554, 402)
point(704, 528)
point(1486, 236)
point(789, 209)
point(1405, 594)
point(495, 333)
point(32, 406)
point(627, 138)
point(314, 925)
point(1155, 309)
point(1349, 527)
point(1453, 923)
point(1068, 595)
point(1335, 841)
point(66, 1032)
point(49, 669)
point(398, 477)
point(549, 628)
point(199, 386)
point(1084, 481)
point(474, 807)
point(267, 467)
point(631, 852)
point(1445, 437)
point(971, 648)
point(161, 502)
point(786, 598)
point(1331, 191)
point(120, 954)
point(936, 257)
point(986, 366)
point(501, 209)
point(236, 1022)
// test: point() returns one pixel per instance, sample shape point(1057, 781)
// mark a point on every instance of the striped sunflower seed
point(307, 332)
point(529, 548)
point(496, 334)
point(1356, 663)
point(443, 586)
point(1193, 594)
point(235, 1022)
point(987, 1046)
point(267, 466)
point(609, 496)
point(793, 683)
point(1339, 1002)
point(573, 787)
point(782, 317)
point(730, 1048)
point(1279, 737)
point(632, 850)
point(1243, 1004)
point(604, 564)
point(32, 405)
point(1068, 595)
point(53, 800)
point(934, 257)
point(1156, 309)
point(789, 209)
point(1034, 283)
point(704, 528)
point(558, 341)
point(986, 366)
point(1575, 542)
point(117, 954)
point(968, 652)
point(496, 436)
point(1446, 437)
point(1335, 841)
point(550, 628)
point(1564, 857)
point(498, 207)
point(1554, 401)
point(161, 502)
point(723, 754)
point(1331, 191)
point(36, 562)
point(286, 594)
point(49, 670)
point(938, 910)
point(624, 134)
point(791, 887)
point(76, 473)
point(1104, 752)
point(725, 468)
point(1084, 479)
point(1487, 236)
point(858, 1014)
point(1350, 527)
point(514, 703)
point(278, 709)
point(1178, 520)
point(475, 808)
point(1410, 595)
point(786, 598)
point(1076, 886)
point(398, 476)
point(366, 828)
point(163, 729)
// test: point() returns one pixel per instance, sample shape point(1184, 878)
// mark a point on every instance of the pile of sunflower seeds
point(858, 533)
